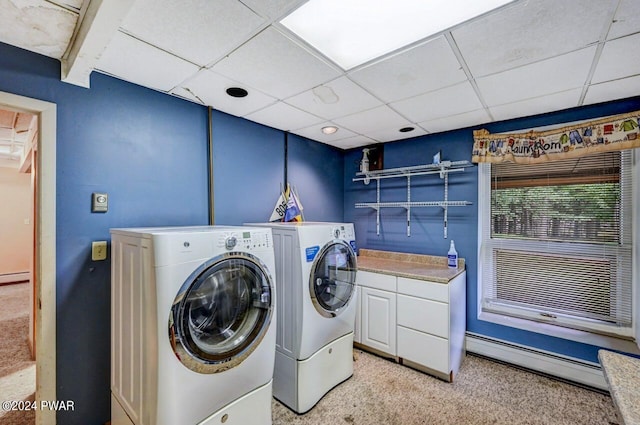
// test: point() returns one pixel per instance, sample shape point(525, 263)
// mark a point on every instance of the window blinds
point(558, 244)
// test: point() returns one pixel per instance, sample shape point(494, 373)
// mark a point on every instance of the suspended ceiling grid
point(526, 58)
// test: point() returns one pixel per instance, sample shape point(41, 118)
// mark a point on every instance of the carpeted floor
point(17, 370)
point(484, 392)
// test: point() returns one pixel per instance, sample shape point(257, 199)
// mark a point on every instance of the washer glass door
point(333, 277)
point(221, 313)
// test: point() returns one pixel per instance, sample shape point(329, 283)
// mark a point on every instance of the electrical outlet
point(98, 250)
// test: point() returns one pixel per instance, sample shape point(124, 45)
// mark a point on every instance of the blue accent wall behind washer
point(248, 169)
point(315, 170)
point(426, 223)
point(148, 152)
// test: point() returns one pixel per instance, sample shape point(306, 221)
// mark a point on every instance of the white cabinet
point(431, 325)
point(378, 324)
point(376, 315)
point(420, 323)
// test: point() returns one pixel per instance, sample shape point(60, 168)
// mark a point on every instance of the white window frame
point(587, 337)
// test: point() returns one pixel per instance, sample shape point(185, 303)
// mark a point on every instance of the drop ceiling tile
point(199, 31)
point(273, 8)
point(283, 117)
point(392, 134)
point(626, 21)
point(211, 89)
point(334, 99)
point(38, 26)
point(612, 90)
point(314, 132)
point(440, 103)
point(538, 105)
point(426, 67)
point(352, 142)
point(454, 122)
point(620, 58)
point(132, 60)
point(285, 67)
point(186, 94)
point(537, 79)
point(530, 31)
point(376, 119)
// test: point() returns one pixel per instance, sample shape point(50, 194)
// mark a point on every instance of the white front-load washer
point(192, 325)
point(316, 269)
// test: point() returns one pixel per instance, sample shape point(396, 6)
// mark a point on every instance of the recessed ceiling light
point(330, 129)
point(237, 92)
point(406, 129)
point(352, 32)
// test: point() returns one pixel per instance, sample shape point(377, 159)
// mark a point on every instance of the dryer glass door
point(333, 277)
point(221, 313)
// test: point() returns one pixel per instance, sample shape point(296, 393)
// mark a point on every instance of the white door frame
point(45, 273)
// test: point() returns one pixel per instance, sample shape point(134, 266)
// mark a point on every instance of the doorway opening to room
point(27, 267)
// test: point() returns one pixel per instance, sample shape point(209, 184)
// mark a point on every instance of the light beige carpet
point(484, 392)
point(17, 370)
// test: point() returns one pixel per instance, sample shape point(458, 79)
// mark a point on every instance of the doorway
point(44, 268)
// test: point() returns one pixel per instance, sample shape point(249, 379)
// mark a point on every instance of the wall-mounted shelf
point(443, 169)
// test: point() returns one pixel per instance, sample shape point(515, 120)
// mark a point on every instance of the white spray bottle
point(452, 256)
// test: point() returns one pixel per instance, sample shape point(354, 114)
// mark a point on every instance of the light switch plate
point(98, 250)
point(99, 202)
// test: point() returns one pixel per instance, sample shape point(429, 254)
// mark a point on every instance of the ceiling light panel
point(285, 67)
point(352, 32)
point(137, 62)
point(440, 103)
point(334, 99)
point(198, 30)
point(211, 89)
point(427, 67)
point(530, 31)
point(283, 117)
point(537, 79)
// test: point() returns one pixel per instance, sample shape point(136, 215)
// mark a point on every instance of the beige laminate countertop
point(412, 266)
point(623, 376)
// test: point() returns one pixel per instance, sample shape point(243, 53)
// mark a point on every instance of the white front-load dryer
point(316, 269)
point(192, 325)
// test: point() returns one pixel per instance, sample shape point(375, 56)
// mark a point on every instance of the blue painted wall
point(426, 223)
point(149, 152)
point(315, 170)
point(248, 169)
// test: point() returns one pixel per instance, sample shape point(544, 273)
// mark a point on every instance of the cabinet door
point(378, 325)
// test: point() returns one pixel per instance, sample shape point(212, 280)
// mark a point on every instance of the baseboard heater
point(564, 367)
point(14, 277)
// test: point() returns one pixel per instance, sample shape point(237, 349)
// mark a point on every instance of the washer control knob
point(230, 242)
point(336, 233)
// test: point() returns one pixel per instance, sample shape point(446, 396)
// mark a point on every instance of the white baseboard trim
point(15, 277)
point(565, 367)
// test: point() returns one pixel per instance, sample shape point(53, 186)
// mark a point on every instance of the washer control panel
point(251, 239)
point(342, 232)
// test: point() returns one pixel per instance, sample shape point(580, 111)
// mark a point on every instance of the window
point(556, 242)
